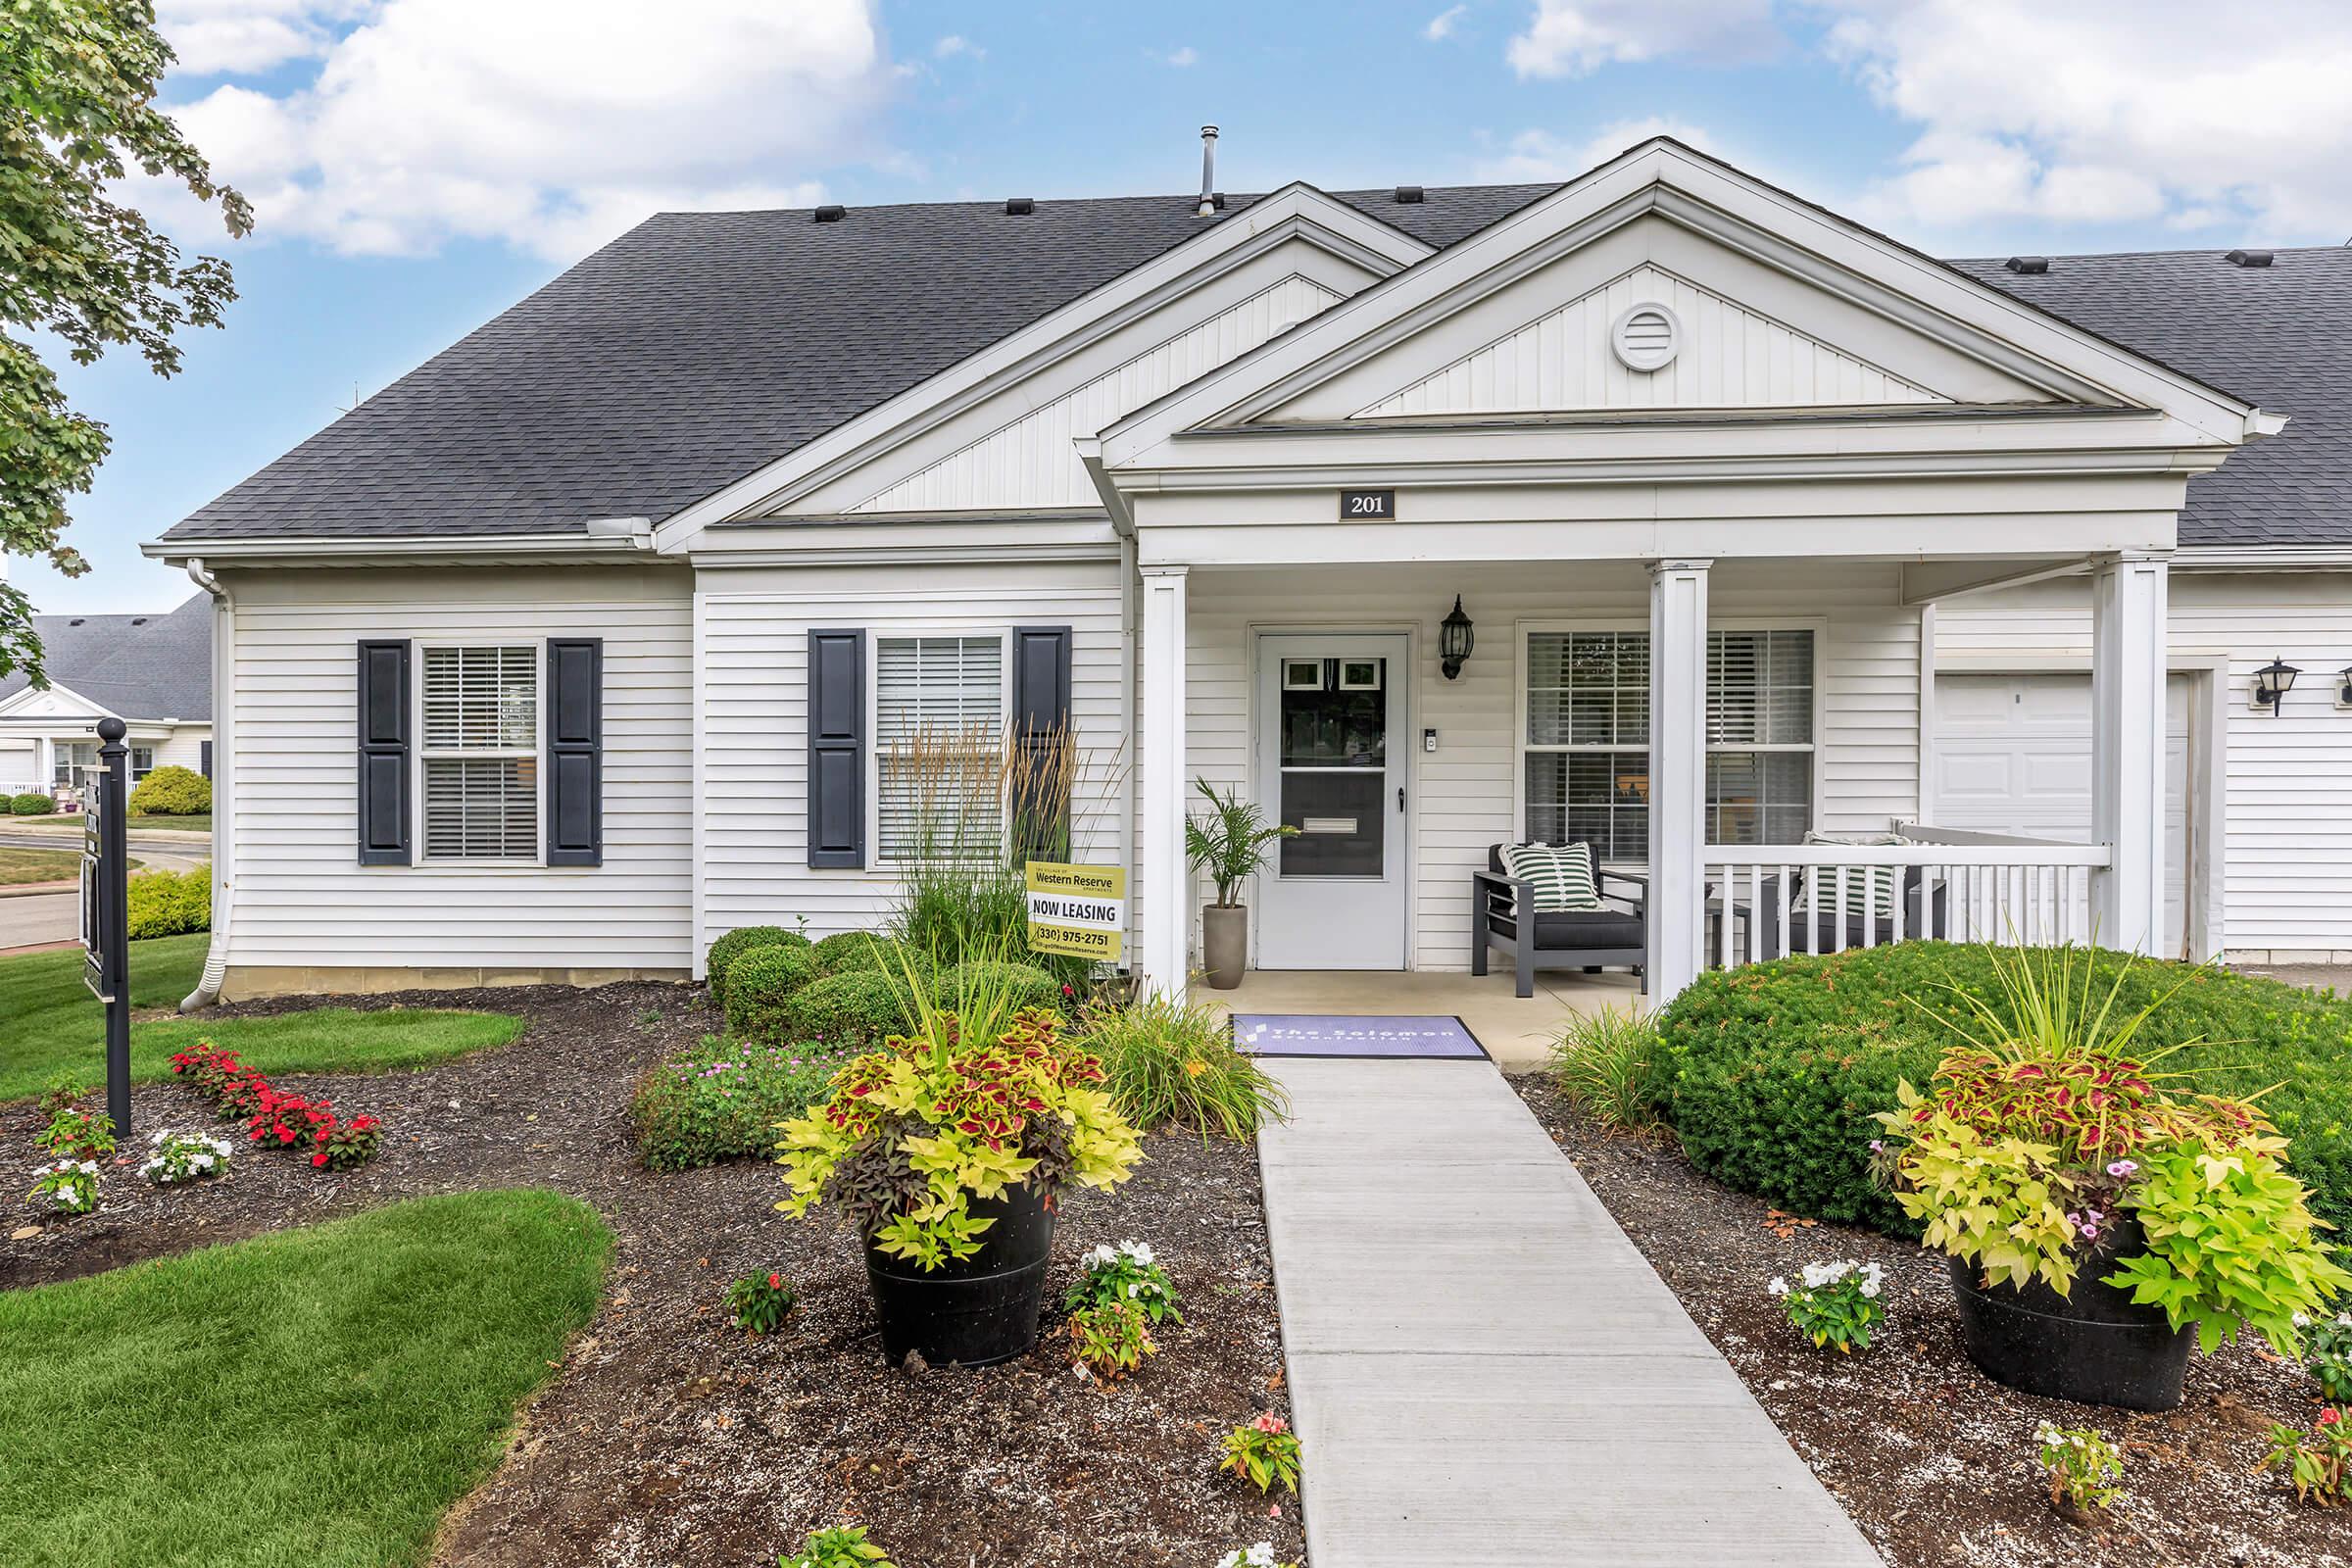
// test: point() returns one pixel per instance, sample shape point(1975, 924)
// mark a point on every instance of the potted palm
point(2091, 1220)
point(946, 1151)
point(1229, 843)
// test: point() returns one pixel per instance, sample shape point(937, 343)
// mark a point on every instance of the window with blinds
point(1585, 750)
point(480, 754)
point(939, 717)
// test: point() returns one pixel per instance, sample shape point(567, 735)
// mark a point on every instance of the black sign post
point(106, 913)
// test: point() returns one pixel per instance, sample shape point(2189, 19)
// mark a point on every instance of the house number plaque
point(1368, 506)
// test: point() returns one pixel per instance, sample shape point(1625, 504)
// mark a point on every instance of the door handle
point(1401, 797)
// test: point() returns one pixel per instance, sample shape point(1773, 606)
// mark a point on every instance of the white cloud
point(1577, 37)
point(218, 37)
point(551, 124)
point(955, 43)
point(2157, 110)
point(1440, 27)
point(1183, 57)
point(1536, 156)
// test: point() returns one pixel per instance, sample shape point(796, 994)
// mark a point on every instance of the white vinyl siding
point(755, 625)
point(1465, 795)
point(302, 900)
point(480, 751)
point(934, 691)
point(2285, 817)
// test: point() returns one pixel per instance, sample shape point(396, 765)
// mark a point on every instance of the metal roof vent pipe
point(1020, 206)
point(2249, 258)
point(830, 213)
point(1208, 173)
point(2031, 266)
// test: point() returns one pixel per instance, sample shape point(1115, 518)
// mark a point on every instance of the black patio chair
point(1503, 918)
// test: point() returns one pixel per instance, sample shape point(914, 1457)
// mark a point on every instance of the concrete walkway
point(1483, 1369)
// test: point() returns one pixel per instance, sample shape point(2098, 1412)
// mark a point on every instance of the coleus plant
point(977, 1099)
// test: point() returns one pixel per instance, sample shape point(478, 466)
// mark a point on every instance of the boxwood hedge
point(734, 944)
point(761, 985)
point(1772, 1071)
point(846, 1012)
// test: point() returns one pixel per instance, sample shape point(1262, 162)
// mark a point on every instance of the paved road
point(37, 918)
point(1483, 1368)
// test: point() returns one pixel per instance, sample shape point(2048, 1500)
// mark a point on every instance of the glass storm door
point(1332, 763)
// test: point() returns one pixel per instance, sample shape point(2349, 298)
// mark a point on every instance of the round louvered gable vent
point(1646, 337)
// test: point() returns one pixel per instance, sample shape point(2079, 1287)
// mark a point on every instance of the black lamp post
point(2272, 682)
point(1455, 638)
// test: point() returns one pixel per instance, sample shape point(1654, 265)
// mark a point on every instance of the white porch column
point(1678, 774)
point(1165, 924)
point(2127, 621)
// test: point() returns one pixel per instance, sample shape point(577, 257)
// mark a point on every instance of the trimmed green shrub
point(32, 803)
point(171, 791)
point(1773, 1070)
point(722, 1099)
point(734, 944)
point(170, 904)
point(1028, 985)
point(846, 1012)
point(761, 984)
point(846, 951)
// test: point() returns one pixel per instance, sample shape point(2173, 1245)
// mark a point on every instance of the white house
point(153, 672)
point(588, 641)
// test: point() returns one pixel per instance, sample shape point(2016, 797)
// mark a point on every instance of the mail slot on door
point(1327, 824)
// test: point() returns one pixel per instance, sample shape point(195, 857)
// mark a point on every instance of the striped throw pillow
point(1820, 887)
point(1559, 874)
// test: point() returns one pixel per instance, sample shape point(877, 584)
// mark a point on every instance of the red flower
point(775, 1282)
point(2331, 1416)
point(317, 1159)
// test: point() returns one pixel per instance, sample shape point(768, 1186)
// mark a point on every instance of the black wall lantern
point(1455, 638)
point(2343, 687)
point(2272, 682)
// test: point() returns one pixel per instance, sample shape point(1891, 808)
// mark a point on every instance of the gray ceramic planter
point(1225, 944)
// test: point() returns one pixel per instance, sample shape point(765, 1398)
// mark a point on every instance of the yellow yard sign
point(1077, 909)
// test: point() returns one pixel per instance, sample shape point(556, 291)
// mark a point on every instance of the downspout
point(224, 801)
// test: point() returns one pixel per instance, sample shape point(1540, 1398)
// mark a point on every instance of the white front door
point(1331, 762)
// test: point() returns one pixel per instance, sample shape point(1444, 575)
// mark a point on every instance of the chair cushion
point(1560, 875)
point(1586, 930)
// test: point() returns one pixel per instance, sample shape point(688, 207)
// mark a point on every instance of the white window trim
point(875, 636)
point(1818, 626)
point(418, 753)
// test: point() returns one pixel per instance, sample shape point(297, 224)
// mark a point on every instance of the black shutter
point(204, 758)
point(575, 751)
point(1041, 728)
point(837, 749)
point(384, 753)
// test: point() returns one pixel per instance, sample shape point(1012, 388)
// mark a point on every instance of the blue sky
point(418, 164)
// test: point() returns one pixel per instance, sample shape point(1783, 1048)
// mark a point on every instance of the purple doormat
point(1331, 1034)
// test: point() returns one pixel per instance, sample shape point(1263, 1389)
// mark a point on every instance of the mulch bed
point(1935, 1461)
point(668, 1436)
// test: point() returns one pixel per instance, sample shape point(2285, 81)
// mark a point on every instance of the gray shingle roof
point(135, 666)
point(700, 346)
point(2279, 335)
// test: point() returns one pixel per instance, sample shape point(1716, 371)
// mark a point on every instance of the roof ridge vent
point(1408, 195)
point(2030, 266)
point(2249, 258)
point(1020, 206)
point(831, 213)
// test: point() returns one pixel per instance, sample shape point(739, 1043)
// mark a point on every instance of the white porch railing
point(1768, 901)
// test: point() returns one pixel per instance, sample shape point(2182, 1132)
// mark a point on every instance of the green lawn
point(20, 867)
point(178, 824)
point(316, 1398)
point(50, 1024)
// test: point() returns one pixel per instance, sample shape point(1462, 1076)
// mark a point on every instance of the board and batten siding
point(2287, 816)
point(1867, 706)
point(303, 901)
point(755, 625)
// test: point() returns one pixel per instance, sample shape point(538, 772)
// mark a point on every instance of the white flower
point(2301, 1320)
point(1140, 1251)
point(2343, 1320)
point(1778, 1287)
point(1261, 1556)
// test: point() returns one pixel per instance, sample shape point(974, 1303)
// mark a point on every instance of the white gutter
point(225, 799)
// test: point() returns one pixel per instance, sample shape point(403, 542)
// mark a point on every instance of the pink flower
point(2122, 1167)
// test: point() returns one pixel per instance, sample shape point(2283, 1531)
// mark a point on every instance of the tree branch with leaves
point(77, 117)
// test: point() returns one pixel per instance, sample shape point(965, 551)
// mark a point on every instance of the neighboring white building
point(588, 641)
point(153, 672)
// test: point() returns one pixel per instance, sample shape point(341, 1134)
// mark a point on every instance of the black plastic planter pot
point(976, 1313)
point(2092, 1346)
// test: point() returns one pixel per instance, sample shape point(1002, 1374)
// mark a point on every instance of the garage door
point(2013, 756)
